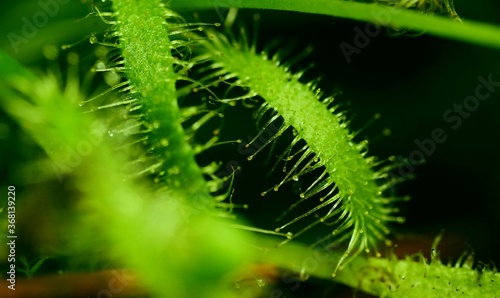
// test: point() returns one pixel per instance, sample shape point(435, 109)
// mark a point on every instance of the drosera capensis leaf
point(146, 55)
point(350, 183)
point(418, 276)
point(146, 49)
point(142, 41)
point(149, 56)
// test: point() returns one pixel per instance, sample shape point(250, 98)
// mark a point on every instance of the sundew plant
point(250, 148)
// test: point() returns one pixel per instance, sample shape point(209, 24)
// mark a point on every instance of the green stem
point(470, 31)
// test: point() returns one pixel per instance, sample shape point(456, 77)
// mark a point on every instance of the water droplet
point(277, 230)
point(289, 235)
point(50, 52)
point(260, 282)
point(276, 188)
point(304, 276)
point(100, 65)
point(263, 193)
point(174, 170)
point(302, 196)
point(164, 142)
point(112, 78)
point(295, 178)
point(93, 39)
